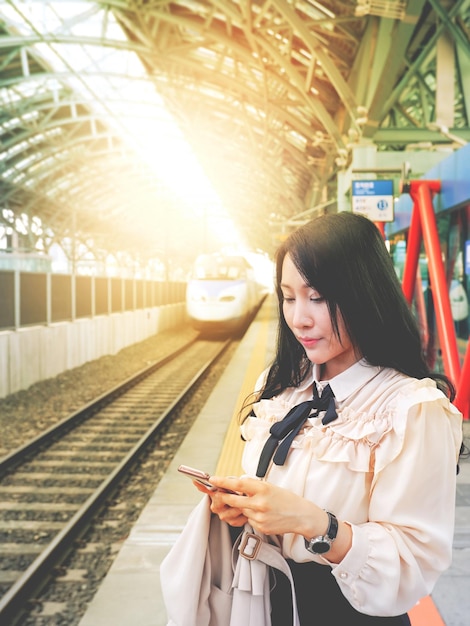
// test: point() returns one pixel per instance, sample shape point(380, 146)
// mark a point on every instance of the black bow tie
point(289, 427)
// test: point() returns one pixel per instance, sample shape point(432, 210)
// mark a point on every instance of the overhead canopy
point(100, 101)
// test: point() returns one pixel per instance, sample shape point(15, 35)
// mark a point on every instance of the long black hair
point(343, 256)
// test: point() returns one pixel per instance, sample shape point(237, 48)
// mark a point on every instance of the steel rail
point(19, 455)
point(14, 602)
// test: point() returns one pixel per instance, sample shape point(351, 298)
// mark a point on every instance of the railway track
point(51, 488)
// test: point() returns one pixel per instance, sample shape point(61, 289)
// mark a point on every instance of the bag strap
point(252, 547)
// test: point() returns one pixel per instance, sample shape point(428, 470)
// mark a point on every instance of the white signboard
point(374, 199)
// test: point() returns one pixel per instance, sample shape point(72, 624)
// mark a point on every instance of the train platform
point(130, 594)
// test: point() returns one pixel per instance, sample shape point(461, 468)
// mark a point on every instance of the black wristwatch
point(322, 543)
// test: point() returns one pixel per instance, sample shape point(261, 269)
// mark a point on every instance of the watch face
point(322, 543)
point(320, 547)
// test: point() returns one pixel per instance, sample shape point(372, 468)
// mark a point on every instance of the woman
point(358, 480)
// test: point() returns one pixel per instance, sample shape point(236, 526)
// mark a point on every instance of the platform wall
point(35, 353)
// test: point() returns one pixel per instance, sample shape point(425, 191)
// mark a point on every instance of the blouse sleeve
point(398, 555)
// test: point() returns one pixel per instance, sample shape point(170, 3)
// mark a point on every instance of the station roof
point(271, 96)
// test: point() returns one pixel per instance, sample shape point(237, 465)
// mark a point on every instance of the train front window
point(218, 269)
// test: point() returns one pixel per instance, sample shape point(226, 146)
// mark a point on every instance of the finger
point(225, 512)
point(201, 488)
point(242, 486)
point(233, 518)
point(218, 507)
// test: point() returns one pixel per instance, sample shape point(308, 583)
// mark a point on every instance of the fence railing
point(36, 298)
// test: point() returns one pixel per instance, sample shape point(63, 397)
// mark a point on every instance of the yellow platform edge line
point(229, 463)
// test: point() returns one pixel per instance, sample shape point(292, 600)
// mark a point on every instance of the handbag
point(207, 581)
point(251, 605)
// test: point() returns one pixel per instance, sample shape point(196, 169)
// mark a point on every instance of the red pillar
point(420, 191)
point(381, 227)
point(462, 399)
point(413, 246)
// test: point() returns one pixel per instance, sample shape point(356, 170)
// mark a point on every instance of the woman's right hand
point(228, 514)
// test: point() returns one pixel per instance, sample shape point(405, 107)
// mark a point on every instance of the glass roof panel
point(113, 83)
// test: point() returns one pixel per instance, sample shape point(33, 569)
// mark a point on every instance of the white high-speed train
point(222, 292)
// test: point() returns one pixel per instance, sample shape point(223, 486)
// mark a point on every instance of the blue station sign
point(374, 199)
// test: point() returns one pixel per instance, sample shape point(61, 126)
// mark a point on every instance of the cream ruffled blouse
point(386, 466)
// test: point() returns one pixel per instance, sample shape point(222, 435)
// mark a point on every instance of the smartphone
point(201, 477)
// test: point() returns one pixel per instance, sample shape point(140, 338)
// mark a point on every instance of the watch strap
point(332, 530)
point(322, 543)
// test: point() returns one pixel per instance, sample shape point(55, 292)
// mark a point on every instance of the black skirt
point(319, 600)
